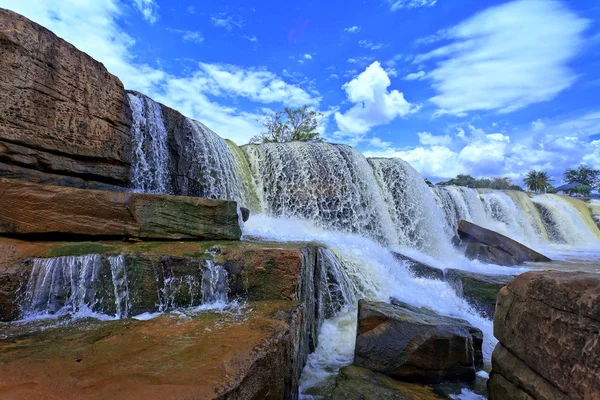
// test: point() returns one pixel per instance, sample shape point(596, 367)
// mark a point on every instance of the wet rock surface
point(480, 290)
point(355, 383)
point(494, 247)
point(418, 268)
point(63, 118)
point(31, 209)
point(415, 344)
point(548, 324)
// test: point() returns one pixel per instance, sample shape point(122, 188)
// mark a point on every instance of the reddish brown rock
point(61, 112)
point(550, 321)
point(32, 209)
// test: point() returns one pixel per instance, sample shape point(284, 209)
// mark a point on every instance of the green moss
point(79, 249)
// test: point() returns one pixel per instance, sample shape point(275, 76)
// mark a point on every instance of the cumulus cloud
point(253, 38)
point(398, 4)
point(352, 29)
point(505, 57)
point(429, 139)
point(367, 44)
point(374, 104)
point(149, 9)
point(93, 27)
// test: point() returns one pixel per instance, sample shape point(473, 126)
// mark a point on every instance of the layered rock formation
point(493, 247)
point(32, 209)
point(415, 344)
point(548, 324)
point(63, 118)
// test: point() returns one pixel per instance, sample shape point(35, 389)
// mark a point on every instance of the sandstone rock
point(32, 209)
point(472, 233)
point(489, 255)
point(480, 290)
point(355, 383)
point(204, 356)
point(61, 112)
point(551, 322)
point(419, 269)
point(415, 344)
point(502, 389)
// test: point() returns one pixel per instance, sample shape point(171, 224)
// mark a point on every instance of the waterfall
point(411, 204)
point(173, 154)
point(101, 286)
point(150, 158)
point(330, 185)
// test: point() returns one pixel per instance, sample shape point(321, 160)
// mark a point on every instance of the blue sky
point(490, 88)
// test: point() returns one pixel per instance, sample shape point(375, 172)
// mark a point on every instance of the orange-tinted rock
point(61, 112)
point(550, 321)
point(209, 356)
point(32, 209)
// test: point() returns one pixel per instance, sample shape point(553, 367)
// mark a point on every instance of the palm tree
point(537, 181)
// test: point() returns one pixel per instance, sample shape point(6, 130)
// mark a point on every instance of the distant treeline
point(484, 183)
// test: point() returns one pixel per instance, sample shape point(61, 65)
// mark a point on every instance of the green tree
point(501, 183)
point(289, 125)
point(582, 189)
point(584, 175)
point(537, 181)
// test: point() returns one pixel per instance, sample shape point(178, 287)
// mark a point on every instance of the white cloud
point(334, 76)
point(307, 57)
point(398, 4)
point(377, 142)
point(361, 61)
point(415, 76)
point(367, 44)
point(93, 27)
point(227, 21)
point(193, 36)
point(428, 139)
point(374, 104)
point(149, 9)
point(253, 38)
point(506, 57)
point(352, 29)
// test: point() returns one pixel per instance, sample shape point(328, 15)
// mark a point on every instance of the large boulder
point(29, 209)
point(63, 118)
point(489, 255)
point(418, 268)
point(415, 344)
point(548, 324)
point(480, 290)
point(471, 233)
point(355, 383)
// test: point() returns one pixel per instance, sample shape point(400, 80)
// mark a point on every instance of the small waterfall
point(120, 285)
point(61, 285)
point(419, 222)
point(330, 185)
point(566, 223)
point(335, 290)
point(458, 203)
point(150, 158)
point(215, 286)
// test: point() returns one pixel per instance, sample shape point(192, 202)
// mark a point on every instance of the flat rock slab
point(470, 233)
point(207, 356)
point(415, 344)
point(550, 321)
point(355, 383)
point(32, 209)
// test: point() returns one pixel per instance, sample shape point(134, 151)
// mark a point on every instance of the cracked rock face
point(64, 119)
point(548, 325)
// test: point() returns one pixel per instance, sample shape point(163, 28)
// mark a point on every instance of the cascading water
point(412, 207)
point(99, 286)
point(150, 158)
point(331, 185)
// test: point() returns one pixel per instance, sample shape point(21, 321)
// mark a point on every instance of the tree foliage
point(582, 189)
point(483, 183)
point(537, 181)
point(584, 175)
point(289, 125)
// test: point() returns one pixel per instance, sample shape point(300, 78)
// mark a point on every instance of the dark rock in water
point(64, 119)
point(471, 233)
point(480, 290)
point(489, 255)
point(29, 209)
point(245, 213)
point(419, 269)
point(355, 383)
point(416, 344)
point(456, 242)
point(548, 324)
